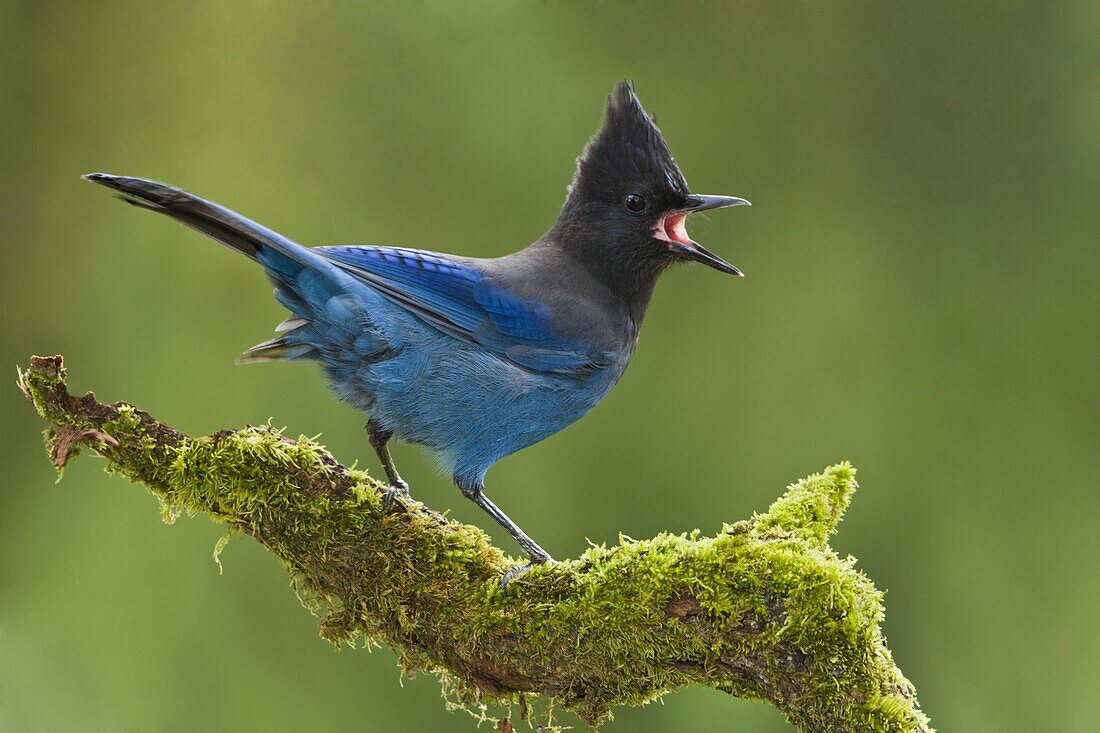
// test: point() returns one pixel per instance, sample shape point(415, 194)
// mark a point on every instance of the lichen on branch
point(764, 610)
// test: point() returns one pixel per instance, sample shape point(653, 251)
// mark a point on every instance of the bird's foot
point(517, 570)
point(391, 494)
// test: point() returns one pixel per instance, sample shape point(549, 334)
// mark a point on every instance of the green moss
point(611, 607)
point(43, 380)
point(813, 507)
point(763, 610)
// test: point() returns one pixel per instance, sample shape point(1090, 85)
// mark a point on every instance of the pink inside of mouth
point(670, 228)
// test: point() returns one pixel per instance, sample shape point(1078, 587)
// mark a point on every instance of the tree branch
point(764, 610)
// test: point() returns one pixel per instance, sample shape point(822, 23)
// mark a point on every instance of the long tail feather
point(228, 227)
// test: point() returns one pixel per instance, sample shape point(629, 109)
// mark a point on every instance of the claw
point(517, 570)
point(391, 494)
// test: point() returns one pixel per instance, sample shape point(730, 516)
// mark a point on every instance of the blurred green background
point(921, 299)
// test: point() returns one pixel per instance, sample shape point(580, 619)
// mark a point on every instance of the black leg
point(378, 439)
point(476, 494)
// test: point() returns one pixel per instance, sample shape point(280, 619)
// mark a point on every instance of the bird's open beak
point(670, 228)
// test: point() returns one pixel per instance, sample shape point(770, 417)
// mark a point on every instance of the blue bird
point(472, 358)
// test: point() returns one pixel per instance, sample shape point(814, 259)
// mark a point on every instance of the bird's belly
point(470, 406)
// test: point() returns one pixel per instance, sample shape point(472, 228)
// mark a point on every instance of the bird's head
point(628, 201)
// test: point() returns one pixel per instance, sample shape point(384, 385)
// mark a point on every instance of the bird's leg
point(536, 554)
point(379, 439)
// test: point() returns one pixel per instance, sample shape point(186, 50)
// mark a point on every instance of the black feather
point(203, 216)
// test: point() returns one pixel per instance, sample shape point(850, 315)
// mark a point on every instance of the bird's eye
point(636, 203)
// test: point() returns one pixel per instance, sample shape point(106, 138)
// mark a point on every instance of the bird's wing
point(463, 302)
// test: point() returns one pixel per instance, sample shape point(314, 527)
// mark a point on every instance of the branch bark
point(764, 610)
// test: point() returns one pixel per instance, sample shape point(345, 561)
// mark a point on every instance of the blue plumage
point(476, 359)
point(462, 301)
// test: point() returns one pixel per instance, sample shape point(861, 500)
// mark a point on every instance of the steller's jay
point(478, 358)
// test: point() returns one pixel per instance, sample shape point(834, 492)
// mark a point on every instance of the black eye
point(636, 203)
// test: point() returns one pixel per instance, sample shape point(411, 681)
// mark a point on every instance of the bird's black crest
point(628, 148)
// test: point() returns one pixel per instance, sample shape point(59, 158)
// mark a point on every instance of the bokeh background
point(921, 298)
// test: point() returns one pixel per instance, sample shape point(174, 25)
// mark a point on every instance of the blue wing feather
point(462, 301)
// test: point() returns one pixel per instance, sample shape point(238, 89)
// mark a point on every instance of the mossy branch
point(764, 610)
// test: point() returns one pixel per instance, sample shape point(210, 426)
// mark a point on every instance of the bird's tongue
point(671, 229)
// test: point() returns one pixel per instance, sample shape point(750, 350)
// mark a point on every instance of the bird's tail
point(228, 227)
point(305, 281)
